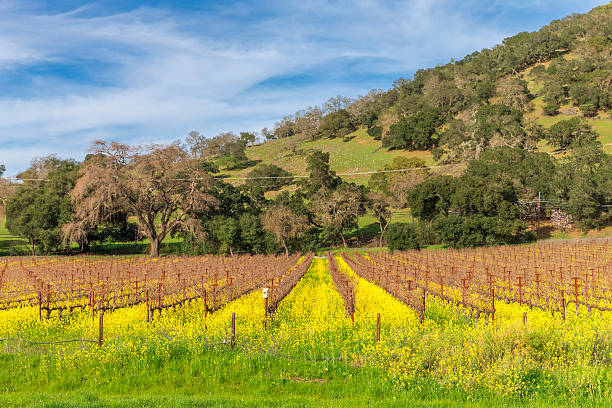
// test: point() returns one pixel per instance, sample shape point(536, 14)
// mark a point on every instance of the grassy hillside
point(568, 61)
point(360, 154)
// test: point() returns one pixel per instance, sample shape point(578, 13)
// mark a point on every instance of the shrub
point(375, 132)
point(402, 236)
point(588, 109)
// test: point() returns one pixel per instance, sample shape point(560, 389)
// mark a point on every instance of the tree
point(339, 209)
point(284, 223)
point(375, 132)
point(402, 236)
point(335, 104)
point(584, 183)
point(588, 109)
point(336, 124)
point(162, 186)
point(432, 197)
point(38, 209)
point(268, 177)
point(320, 174)
point(380, 206)
point(396, 184)
point(415, 132)
point(566, 132)
point(485, 90)
point(7, 189)
point(513, 93)
point(247, 138)
point(551, 106)
point(227, 231)
point(197, 144)
point(266, 134)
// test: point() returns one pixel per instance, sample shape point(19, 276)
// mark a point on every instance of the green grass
point(225, 379)
point(10, 244)
point(361, 153)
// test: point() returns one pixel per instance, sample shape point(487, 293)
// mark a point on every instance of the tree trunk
point(382, 232)
point(343, 240)
point(33, 249)
point(286, 249)
point(154, 252)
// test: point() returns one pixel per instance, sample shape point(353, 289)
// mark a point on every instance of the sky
point(141, 72)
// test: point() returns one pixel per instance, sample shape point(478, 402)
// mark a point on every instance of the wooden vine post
point(101, 328)
point(423, 306)
point(40, 304)
point(264, 294)
point(377, 328)
point(563, 304)
point(148, 307)
point(576, 285)
point(233, 331)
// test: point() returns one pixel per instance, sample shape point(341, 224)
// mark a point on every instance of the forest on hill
point(480, 150)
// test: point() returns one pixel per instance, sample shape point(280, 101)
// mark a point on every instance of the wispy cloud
point(153, 74)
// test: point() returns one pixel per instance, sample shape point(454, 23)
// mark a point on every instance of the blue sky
point(151, 71)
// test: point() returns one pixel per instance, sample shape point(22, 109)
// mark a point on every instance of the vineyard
point(486, 318)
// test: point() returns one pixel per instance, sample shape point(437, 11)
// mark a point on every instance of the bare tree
point(196, 143)
point(162, 186)
point(284, 223)
point(334, 104)
point(340, 207)
point(380, 204)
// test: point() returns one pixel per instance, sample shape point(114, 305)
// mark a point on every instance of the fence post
point(233, 334)
point(148, 308)
point(524, 318)
point(377, 328)
point(101, 329)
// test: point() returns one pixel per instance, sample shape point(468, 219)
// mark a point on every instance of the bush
point(551, 107)
point(402, 236)
point(375, 132)
point(474, 230)
point(336, 124)
point(588, 109)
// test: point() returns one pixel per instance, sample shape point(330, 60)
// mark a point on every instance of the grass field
point(361, 153)
point(310, 356)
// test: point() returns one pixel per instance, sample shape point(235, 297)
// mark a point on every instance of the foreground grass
point(221, 378)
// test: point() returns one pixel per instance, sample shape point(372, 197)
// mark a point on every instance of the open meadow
point(503, 326)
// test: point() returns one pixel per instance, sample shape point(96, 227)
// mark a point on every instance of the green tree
point(320, 174)
point(584, 183)
point(432, 197)
point(415, 132)
point(247, 138)
point(485, 90)
point(402, 236)
point(336, 124)
point(268, 177)
point(566, 132)
point(227, 231)
point(38, 209)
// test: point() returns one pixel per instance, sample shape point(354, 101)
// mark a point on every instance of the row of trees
point(120, 192)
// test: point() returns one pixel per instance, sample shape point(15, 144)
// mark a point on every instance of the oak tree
point(163, 187)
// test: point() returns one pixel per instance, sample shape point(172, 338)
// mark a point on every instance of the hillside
point(560, 72)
